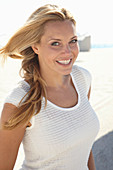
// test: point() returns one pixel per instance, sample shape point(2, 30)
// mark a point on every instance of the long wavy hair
point(19, 47)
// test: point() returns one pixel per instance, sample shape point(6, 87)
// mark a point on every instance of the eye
point(55, 44)
point(73, 41)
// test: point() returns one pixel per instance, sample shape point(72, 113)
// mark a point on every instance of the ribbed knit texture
point(60, 138)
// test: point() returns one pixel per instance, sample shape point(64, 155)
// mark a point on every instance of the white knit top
point(60, 138)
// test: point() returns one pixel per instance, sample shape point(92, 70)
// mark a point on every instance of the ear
point(35, 49)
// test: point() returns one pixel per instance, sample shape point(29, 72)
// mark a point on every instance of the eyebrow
point(56, 39)
point(74, 37)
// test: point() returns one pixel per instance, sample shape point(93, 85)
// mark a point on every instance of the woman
point(49, 109)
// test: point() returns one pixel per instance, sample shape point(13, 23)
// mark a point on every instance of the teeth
point(64, 61)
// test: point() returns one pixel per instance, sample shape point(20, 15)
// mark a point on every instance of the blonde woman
point(49, 109)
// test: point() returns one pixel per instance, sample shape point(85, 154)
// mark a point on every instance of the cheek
point(76, 49)
point(52, 54)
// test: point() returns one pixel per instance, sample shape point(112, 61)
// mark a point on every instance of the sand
point(100, 64)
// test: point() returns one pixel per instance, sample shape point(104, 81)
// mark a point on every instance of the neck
point(57, 81)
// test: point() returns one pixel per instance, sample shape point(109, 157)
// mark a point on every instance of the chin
point(67, 72)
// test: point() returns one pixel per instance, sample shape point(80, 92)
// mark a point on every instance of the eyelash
point(72, 41)
point(54, 43)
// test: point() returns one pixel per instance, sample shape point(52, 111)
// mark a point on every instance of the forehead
point(59, 28)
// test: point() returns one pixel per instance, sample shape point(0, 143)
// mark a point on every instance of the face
point(58, 48)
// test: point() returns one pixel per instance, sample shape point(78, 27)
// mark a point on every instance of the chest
point(58, 130)
point(64, 98)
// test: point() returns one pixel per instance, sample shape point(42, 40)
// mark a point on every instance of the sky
point(93, 17)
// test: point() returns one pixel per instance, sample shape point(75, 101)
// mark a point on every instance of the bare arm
point(91, 163)
point(10, 140)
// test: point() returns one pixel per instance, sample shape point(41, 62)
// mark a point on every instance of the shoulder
point(16, 94)
point(82, 76)
point(82, 72)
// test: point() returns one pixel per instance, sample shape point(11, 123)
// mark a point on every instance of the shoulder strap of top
point(82, 78)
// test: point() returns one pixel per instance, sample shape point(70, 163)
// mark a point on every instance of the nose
point(67, 49)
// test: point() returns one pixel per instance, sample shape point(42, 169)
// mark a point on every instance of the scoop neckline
point(65, 108)
point(68, 108)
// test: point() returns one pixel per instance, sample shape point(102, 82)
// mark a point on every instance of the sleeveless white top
point(60, 138)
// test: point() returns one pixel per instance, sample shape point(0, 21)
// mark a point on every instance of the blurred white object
point(84, 42)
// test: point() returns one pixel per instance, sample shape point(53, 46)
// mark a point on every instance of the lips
point(64, 62)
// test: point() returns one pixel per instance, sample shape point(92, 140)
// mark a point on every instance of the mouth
point(64, 62)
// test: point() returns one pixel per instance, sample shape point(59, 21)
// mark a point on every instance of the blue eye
point(55, 44)
point(74, 41)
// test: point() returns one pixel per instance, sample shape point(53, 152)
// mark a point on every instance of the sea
point(101, 45)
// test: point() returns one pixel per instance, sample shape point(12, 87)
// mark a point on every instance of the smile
point(65, 62)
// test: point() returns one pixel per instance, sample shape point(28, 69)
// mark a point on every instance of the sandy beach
point(99, 62)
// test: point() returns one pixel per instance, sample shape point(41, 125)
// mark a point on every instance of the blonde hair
point(19, 47)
